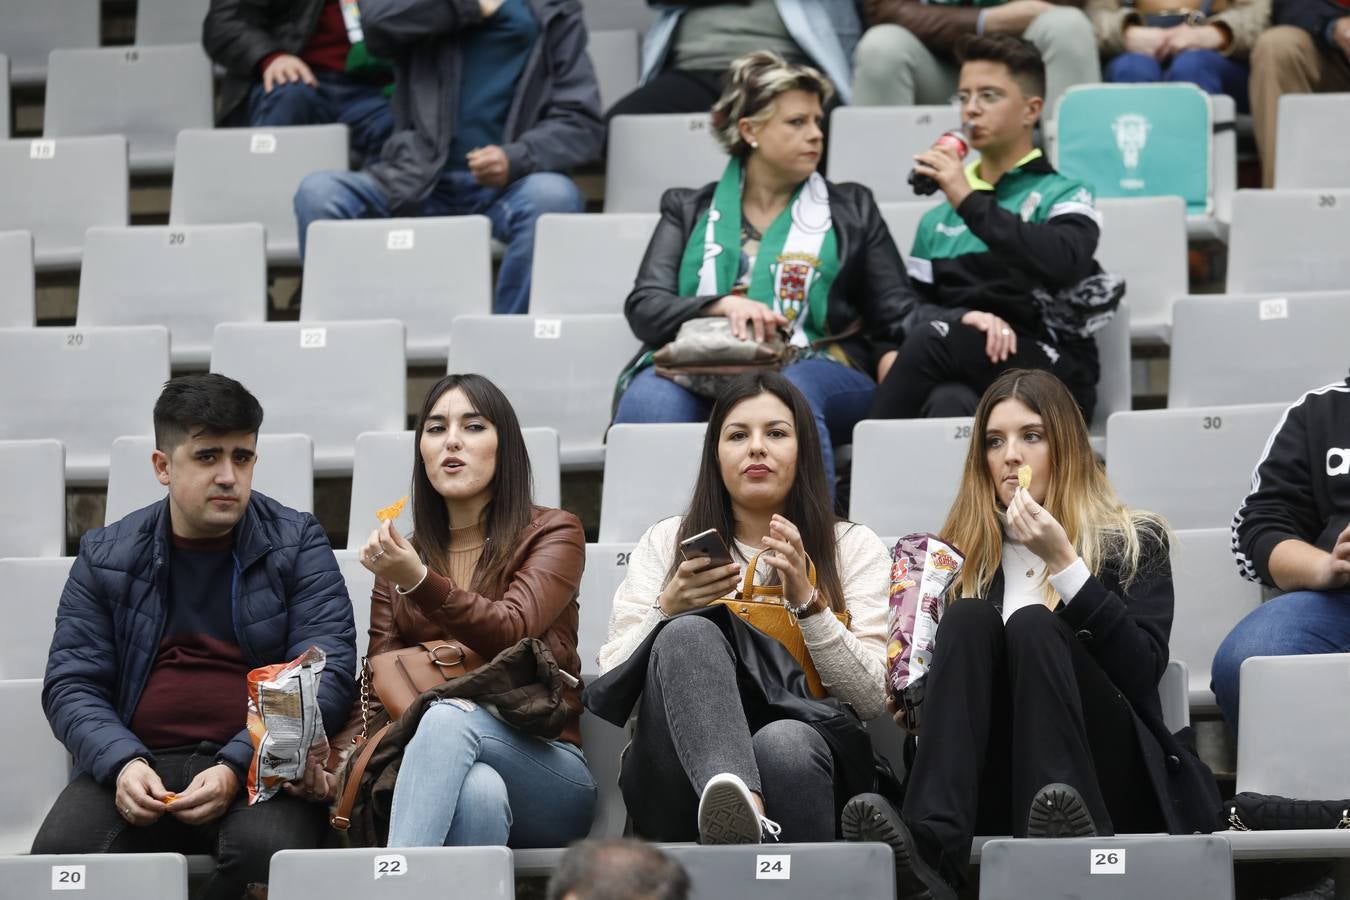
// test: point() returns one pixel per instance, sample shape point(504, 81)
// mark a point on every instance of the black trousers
point(671, 91)
point(85, 819)
point(1009, 709)
point(939, 356)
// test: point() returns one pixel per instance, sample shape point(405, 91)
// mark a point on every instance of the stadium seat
point(4, 98)
point(82, 386)
point(906, 472)
point(103, 876)
point(57, 189)
point(30, 590)
point(18, 304)
point(423, 271)
point(649, 154)
point(1114, 388)
point(187, 277)
point(649, 476)
point(1193, 466)
point(875, 147)
point(1211, 597)
point(606, 567)
point(559, 372)
point(35, 769)
point(1255, 348)
point(902, 221)
point(331, 381)
point(601, 15)
point(170, 21)
point(1298, 698)
point(382, 474)
point(614, 54)
point(1310, 139)
point(1198, 867)
point(233, 175)
point(284, 471)
point(148, 94)
point(1287, 241)
point(566, 279)
point(360, 582)
point(1144, 240)
point(788, 871)
point(403, 873)
point(33, 483)
point(1174, 694)
point(33, 30)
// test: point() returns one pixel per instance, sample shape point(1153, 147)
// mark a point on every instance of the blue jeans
point(1208, 70)
point(338, 99)
point(513, 210)
point(1293, 624)
point(470, 780)
point(839, 396)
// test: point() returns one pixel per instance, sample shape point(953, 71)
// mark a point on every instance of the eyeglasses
point(986, 98)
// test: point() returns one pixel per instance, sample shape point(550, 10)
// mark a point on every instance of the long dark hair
point(808, 504)
point(509, 510)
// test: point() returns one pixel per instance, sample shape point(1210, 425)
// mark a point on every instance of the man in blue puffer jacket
point(163, 616)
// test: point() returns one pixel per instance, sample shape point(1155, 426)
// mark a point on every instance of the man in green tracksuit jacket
point(1012, 232)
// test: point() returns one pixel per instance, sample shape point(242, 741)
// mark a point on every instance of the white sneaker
point(727, 814)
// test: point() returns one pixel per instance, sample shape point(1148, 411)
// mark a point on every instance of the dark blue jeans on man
point(1208, 70)
point(338, 100)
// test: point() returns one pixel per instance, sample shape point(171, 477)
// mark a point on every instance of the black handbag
point(1249, 811)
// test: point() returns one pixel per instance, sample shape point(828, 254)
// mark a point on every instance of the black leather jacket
point(239, 34)
point(871, 302)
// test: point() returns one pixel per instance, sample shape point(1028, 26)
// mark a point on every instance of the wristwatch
point(807, 609)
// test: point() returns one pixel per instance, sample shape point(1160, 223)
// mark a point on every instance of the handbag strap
point(747, 587)
point(341, 818)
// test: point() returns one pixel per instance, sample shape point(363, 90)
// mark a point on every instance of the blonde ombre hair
point(1101, 529)
point(754, 83)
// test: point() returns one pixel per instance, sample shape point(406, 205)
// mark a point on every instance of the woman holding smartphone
point(705, 763)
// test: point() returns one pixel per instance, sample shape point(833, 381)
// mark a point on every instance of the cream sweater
point(851, 662)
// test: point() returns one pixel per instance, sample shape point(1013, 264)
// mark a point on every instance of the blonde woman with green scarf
point(772, 246)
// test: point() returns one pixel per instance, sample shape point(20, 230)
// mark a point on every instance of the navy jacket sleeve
point(1313, 16)
point(78, 692)
point(1058, 253)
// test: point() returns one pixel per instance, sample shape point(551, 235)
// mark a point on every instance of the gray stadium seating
point(648, 154)
point(35, 769)
point(30, 590)
point(148, 94)
point(106, 876)
point(33, 483)
point(902, 220)
point(188, 277)
point(33, 30)
point(4, 98)
point(57, 189)
point(1144, 239)
point(1174, 693)
point(1255, 348)
point(1114, 389)
point(17, 298)
point(557, 371)
point(405, 873)
point(606, 567)
point(1286, 240)
point(906, 472)
point(1191, 465)
point(360, 582)
point(284, 471)
point(788, 871)
point(1310, 141)
point(250, 175)
point(565, 278)
point(606, 14)
point(83, 386)
point(1197, 867)
point(614, 54)
point(875, 147)
point(330, 380)
point(649, 476)
point(170, 21)
point(423, 271)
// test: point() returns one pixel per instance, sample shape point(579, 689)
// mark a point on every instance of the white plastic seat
point(360, 582)
point(170, 21)
point(648, 154)
point(33, 483)
point(614, 54)
point(18, 298)
point(1299, 698)
point(902, 220)
point(933, 450)
point(789, 871)
point(607, 14)
point(331, 381)
point(82, 386)
point(875, 146)
point(102, 876)
point(606, 567)
point(567, 279)
point(35, 769)
point(32, 30)
point(1286, 240)
point(188, 277)
point(1144, 240)
point(649, 476)
point(30, 590)
point(404, 873)
point(4, 98)
point(422, 271)
point(1198, 867)
point(1310, 140)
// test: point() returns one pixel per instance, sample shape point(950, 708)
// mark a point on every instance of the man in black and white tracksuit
point(1293, 533)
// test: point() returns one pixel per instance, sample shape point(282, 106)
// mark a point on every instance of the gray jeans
point(692, 725)
point(892, 67)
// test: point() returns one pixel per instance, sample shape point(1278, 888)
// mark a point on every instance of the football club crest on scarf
point(793, 275)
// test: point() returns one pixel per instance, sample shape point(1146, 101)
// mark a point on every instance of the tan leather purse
point(401, 676)
point(761, 606)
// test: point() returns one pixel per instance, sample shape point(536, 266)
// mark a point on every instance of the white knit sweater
point(851, 662)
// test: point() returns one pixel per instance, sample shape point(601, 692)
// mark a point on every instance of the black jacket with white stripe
point(1301, 486)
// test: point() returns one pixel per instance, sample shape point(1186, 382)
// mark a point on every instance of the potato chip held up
point(1024, 477)
point(392, 511)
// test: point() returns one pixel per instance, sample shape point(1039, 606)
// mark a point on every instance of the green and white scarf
point(797, 262)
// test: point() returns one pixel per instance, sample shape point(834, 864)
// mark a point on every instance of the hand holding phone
point(707, 573)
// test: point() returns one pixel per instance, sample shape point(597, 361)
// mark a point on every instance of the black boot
point(1057, 810)
point(870, 818)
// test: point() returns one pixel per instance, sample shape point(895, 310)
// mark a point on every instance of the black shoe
point(868, 818)
point(1058, 810)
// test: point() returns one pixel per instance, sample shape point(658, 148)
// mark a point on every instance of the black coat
point(871, 300)
point(239, 34)
point(1126, 632)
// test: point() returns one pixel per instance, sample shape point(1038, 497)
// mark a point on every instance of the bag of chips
point(922, 568)
point(285, 723)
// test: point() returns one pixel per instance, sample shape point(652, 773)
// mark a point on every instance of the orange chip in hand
point(392, 511)
point(169, 798)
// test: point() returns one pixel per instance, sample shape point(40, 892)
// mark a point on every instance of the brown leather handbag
point(401, 676)
point(772, 617)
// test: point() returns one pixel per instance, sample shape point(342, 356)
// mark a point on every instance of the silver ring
point(1006, 332)
point(375, 557)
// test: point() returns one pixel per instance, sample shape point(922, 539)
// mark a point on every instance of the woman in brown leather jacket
point(486, 567)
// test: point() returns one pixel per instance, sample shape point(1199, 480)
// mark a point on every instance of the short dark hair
point(1020, 56)
point(618, 869)
point(206, 403)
